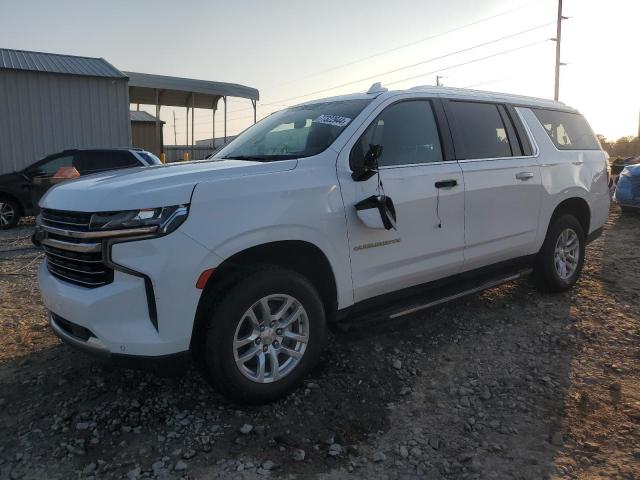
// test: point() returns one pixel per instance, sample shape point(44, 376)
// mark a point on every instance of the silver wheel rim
point(567, 253)
point(6, 213)
point(271, 338)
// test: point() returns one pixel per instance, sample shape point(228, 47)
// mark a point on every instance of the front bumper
point(80, 338)
point(157, 274)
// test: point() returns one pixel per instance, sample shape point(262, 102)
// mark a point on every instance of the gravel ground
point(509, 383)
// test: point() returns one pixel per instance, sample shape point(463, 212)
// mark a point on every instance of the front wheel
point(9, 214)
point(561, 257)
point(264, 336)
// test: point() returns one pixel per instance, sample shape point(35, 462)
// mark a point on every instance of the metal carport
point(161, 90)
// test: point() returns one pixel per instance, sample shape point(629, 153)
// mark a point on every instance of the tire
point(549, 274)
point(230, 319)
point(9, 213)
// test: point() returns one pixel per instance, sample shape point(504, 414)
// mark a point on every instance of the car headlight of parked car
point(160, 221)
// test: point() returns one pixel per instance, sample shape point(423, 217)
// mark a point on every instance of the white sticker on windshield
point(335, 120)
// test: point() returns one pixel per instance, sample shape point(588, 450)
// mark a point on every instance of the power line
point(406, 45)
point(504, 52)
point(395, 70)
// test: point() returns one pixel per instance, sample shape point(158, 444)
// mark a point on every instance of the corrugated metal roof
point(176, 91)
point(56, 63)
point(142, 116)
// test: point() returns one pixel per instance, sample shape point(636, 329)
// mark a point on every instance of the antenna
point(377, 88)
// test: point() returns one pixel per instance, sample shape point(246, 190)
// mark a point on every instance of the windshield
point(296, 132)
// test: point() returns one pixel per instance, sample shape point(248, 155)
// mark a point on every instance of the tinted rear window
point(567, 131)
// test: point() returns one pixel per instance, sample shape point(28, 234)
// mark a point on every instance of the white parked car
point(382, 203)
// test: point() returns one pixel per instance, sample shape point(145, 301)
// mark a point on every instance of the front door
point(42, 174)
point(428, 195)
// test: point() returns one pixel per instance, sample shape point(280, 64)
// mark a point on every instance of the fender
point(301, 204)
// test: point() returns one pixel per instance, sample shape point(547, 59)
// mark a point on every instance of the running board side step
point(464, 293)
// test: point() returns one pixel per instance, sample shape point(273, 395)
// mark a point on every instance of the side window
point(50, 167)
point(408, 133)
point(92, 161)
point(480, 131)
point(567, 131)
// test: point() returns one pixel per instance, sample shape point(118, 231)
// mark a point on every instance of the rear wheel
point(264, 336)
point(561, 257)
point(9, 213)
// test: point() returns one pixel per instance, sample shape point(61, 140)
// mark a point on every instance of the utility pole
point(175, 135)
point(558, 40)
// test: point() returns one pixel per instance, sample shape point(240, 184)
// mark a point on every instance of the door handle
point(524, 176)
point(446, 183)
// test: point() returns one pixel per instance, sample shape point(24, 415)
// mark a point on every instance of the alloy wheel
point(271, 338)
point(567, 253)
point(7, 213)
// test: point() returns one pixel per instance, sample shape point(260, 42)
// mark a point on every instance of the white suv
point(382, 203)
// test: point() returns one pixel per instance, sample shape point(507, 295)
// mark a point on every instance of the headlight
point(161, 220)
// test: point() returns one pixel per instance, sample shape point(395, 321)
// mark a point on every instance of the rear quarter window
point(567, 131)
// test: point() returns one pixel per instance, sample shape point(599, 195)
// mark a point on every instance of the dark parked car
point(21, 191)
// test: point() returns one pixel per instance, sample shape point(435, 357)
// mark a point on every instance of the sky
point(294, 51)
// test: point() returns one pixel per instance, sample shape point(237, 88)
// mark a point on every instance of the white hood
point(149, 187)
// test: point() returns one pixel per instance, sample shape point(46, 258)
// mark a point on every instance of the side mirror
point(377, 212)
point(366, 167)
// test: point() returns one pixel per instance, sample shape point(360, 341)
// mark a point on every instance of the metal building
point(144, 133)
point(49, 102)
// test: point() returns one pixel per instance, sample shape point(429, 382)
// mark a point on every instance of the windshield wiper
point(261, 158)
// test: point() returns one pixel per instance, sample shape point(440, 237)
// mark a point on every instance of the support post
point(225, 119)
point(254, 102)
point(193, 125)
point(158, 142)
point(213, 124)
point(556, 92)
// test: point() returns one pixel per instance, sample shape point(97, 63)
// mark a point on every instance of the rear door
point(429, 240)
point(502, 181)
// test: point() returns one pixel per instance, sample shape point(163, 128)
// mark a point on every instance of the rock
point(434, 443)
point(615, 387)
point(82, 426)
point(190, 453)
point(268, 465)
point(246, 429)
point(134, 474)
point(415, 452)
point(298, 454)
point(180, 466)
point(404, 452)
point(557, 439)
point(379, 457)
point(486, 394)
point(157, 467)
point(464, 402)
point(397, 364)
point(89, 469)
point(335, 449)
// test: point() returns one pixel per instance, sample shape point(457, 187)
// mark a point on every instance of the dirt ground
point(510, 383)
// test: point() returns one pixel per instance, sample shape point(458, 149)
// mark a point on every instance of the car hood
point(149, 187)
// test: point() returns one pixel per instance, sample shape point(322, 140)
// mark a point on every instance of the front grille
point(65, 258)
point(78, 221)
